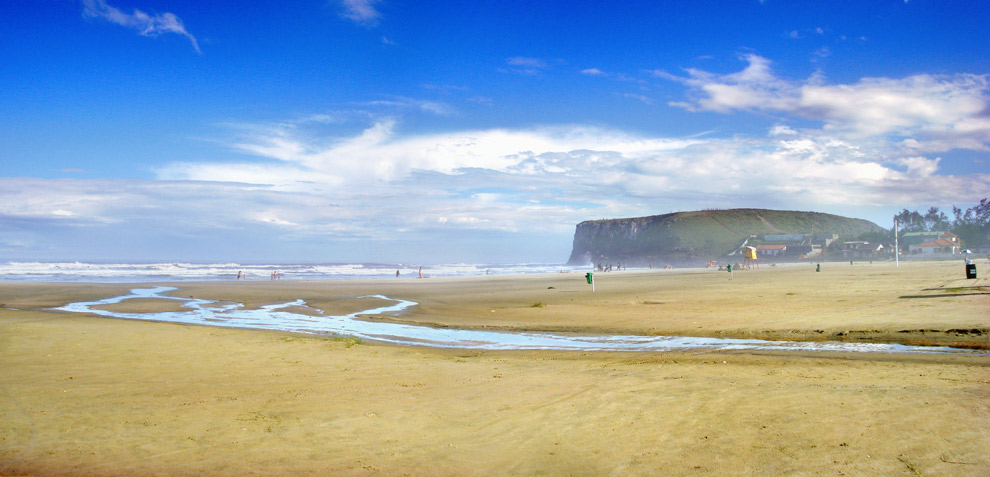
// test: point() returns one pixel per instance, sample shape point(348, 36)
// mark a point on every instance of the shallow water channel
point(275, 317)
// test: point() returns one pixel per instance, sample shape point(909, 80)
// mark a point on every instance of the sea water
point(277, 317)
point(181, 271)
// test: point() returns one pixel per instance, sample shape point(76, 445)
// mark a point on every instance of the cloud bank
point(931, 113)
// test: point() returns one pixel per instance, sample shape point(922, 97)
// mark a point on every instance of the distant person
point(239, 275)
point(420, 272)
point(396, 274)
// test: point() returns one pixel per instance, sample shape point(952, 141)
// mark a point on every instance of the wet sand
point(98, 396)
point(144, 305)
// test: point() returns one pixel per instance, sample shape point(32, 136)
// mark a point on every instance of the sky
point(469, 132)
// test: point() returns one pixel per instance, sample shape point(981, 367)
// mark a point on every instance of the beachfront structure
point(771, 250)
point(861, 249)
point(916, 238)
point(936, 248)
point(794, 246)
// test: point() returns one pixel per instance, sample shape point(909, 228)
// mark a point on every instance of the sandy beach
point(98, 396)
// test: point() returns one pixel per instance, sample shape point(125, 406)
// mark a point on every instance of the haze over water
point(172, 271)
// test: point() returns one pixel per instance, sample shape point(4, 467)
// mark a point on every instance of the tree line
point(972, 225)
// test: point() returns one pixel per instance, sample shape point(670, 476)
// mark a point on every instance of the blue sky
point(439, 132)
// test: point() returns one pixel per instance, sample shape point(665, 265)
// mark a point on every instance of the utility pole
point(897, 248)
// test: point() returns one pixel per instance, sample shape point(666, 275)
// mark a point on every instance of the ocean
point(107, 272)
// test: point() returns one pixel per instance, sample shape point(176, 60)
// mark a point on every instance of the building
point(936, 248)
point(770, 250)
point(861, 250)
point(916, 238)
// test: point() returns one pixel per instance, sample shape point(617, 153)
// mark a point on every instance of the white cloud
point(525, 65)
point(782, 130)
point(526, 62)
point(638, 97)
point(433, 107)
point(940, 111)
point(920, 166)
point(592, 72)
point(145, 24)
point(363, 12)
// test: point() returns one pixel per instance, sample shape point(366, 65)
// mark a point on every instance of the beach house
point(861, 249)
point(936, 248)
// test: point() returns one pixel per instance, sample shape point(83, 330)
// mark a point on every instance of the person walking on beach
point(396, 274)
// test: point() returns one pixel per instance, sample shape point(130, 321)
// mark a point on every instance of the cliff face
point(684, 237)
point(619, 239)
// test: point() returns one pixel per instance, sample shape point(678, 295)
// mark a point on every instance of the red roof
point(771, 247)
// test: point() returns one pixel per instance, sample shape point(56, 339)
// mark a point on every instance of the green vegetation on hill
point(691, 236)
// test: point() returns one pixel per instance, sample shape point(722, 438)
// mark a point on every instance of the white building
point(936, 248)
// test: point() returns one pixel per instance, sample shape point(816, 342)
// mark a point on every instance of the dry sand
point(96, 396)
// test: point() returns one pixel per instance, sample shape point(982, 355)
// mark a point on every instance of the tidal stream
point(276, 317)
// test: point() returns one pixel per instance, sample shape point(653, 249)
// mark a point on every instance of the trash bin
point(590, 277)
point(970, 270)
